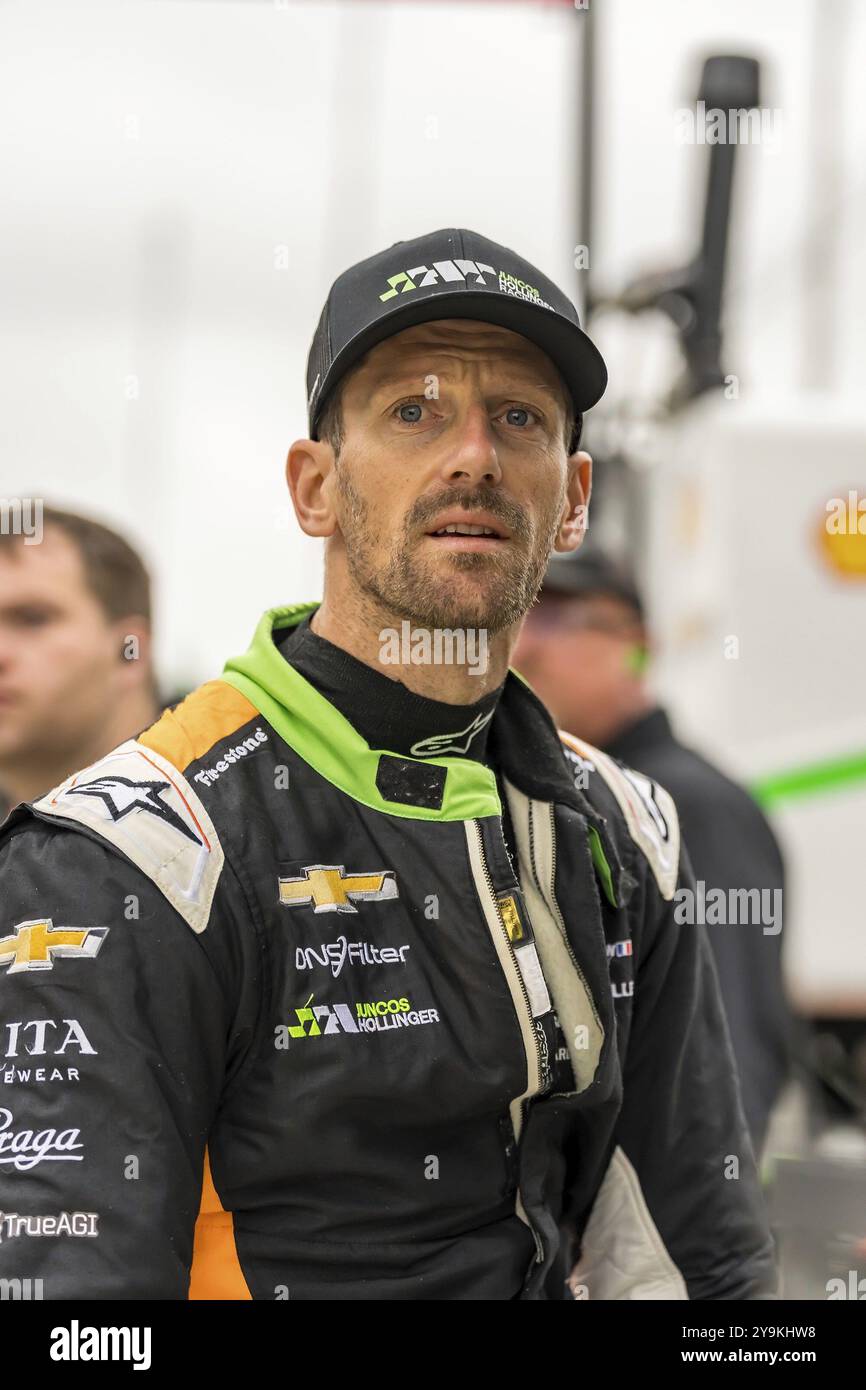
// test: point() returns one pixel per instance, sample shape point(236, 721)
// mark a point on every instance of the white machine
point(755, 572)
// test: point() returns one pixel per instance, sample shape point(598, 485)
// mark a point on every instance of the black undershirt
point(384, 711)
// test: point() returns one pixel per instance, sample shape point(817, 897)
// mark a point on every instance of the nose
point(472, 458)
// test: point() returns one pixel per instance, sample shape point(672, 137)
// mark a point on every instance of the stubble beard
point(407, 588)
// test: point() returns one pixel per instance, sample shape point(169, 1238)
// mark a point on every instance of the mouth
point(478, 532)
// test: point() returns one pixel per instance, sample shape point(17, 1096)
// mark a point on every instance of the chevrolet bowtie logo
point(330, 889)
point(33, 945)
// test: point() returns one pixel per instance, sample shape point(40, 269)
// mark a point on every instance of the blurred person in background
point(584, 649)
point(76, 676)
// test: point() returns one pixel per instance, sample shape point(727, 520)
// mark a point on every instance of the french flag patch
point(618, 948)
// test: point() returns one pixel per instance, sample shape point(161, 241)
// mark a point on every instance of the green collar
point(320, 735)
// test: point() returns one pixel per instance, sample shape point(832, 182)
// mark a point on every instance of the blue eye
point(409, 405)
point(517, 410)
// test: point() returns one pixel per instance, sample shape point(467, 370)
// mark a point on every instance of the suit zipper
point(515, 966)
point(516, 976)
point(555, 905)
point(548, 894)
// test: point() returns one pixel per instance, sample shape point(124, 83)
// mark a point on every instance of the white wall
point(156, 155)
point(156, 158)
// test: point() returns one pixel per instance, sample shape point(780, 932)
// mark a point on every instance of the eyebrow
point(44, 603)
point(395, 379)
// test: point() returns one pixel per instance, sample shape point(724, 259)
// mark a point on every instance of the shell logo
point(842, 535)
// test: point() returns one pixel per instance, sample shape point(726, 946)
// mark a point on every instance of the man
point(76, 676)
point(584, 649)
point(357, 971)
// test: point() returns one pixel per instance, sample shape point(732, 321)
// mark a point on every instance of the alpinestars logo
point(121, 796)
point(328, 888)
point(439, 744)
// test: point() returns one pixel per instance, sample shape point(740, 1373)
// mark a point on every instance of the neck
point(33, 775)
point(357, 624)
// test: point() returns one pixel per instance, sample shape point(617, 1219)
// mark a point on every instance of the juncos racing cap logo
point(422, 277)
point(328, 888)
point(35, 945)
point(440, 270)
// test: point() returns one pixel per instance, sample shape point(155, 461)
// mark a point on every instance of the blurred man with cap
point(401, 1004)
point(584, 649)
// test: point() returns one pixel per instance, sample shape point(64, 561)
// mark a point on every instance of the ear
point(309, 474)
point(575, 515)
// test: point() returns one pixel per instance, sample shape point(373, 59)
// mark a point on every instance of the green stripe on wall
point(810, 781)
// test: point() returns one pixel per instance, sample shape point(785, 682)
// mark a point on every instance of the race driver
point(346, 979)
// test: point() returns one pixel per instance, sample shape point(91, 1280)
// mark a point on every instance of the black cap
point(449, 274)
point(591, 571)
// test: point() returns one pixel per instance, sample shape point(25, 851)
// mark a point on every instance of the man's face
point(59, 653)
point(453, 423)
point(580, 656)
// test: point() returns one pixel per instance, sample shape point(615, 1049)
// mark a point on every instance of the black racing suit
point(281, 1020)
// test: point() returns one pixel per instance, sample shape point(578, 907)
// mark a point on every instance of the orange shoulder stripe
point(210, 713)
